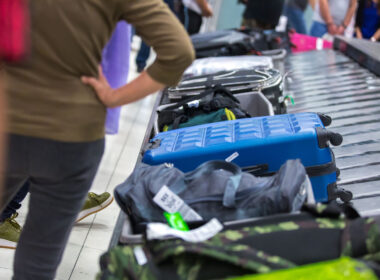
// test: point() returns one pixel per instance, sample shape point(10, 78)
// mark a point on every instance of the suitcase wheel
point(344, 195)
point(337, 172)
point(326, 120)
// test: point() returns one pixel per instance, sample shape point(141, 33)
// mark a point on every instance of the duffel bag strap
point(331, 210)
point(232, 184)
point(187, 100)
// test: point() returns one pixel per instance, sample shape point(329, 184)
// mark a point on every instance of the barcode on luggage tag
point(172, 203)
point(232, 157)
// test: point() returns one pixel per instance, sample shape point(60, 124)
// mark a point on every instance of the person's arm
point(312, 4)
point(161, 30)
point(347, 19)
point(205, 8)
point(376, 36)
point(358, 32)
point(140, 87)
point(326, 15)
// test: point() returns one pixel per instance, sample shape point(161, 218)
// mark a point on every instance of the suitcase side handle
point(325, 136)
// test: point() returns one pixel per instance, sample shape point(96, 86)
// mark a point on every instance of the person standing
point(262, 14)
point(368, 20)
point(57, 108)
point(294, 10)
point(191, 14)
point(333, 17)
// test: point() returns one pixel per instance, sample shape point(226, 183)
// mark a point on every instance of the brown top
point(46, 96)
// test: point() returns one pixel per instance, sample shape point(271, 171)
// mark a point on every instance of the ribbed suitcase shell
point(263, 140)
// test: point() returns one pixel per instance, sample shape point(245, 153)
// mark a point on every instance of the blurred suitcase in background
point(258, 145)
point(267, 81)
point(212, 65)
point(222, 43)
point(304, 43)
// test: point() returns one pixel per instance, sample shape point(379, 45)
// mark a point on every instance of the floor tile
point(69, 260)
point(6, 274)
point(88, 264)
point(6, 259)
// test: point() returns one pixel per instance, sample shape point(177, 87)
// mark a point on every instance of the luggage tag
point(232, 157)
point(172, 203)
point(140, 255)
point(176, 221)
point(162, 232)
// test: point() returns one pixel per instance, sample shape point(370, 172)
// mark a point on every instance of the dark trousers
point(295, 18)
point(60, 175)
point(142, 55)
point(15, 203)
point(190, 19)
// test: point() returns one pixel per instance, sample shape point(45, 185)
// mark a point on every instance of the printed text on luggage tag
point(171, 203)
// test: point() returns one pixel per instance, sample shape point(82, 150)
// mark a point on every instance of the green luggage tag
point(176, 221)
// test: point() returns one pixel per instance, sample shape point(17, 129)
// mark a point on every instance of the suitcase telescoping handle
point(325, 136)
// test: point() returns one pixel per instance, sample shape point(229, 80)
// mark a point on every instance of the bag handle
point(233, 181)
point(212, 90)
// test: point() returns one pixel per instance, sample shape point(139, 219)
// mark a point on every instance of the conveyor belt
point(332, 83)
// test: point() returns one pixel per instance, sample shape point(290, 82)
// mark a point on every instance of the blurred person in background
point(191, 13)
point(57, 108)
point(144, 51)
point(294, 10)
point(333, 17)
point(262, 14)
point(368, 20)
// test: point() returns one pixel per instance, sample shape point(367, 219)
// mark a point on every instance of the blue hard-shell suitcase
point(263, 144)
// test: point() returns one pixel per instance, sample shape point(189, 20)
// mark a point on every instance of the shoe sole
point(88, 212)
point(6, 244)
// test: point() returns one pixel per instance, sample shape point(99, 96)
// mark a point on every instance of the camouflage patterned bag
point(320, 233)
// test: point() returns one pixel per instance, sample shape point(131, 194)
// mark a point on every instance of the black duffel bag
point(201, 109)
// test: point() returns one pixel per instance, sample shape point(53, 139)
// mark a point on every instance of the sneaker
point(10, 232)
point(94, 203)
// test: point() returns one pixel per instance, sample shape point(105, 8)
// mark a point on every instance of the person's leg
point(61, 175)
point(295, 18)
point(171, 5)
point(142, 56)
point(318, 29)
point(15, 203)
point(195, 22)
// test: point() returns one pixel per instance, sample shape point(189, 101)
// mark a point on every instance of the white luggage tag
point(172, 203)
point(232, 157)
point(162, 232)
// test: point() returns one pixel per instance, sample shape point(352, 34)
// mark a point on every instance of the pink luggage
point(304, 43)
